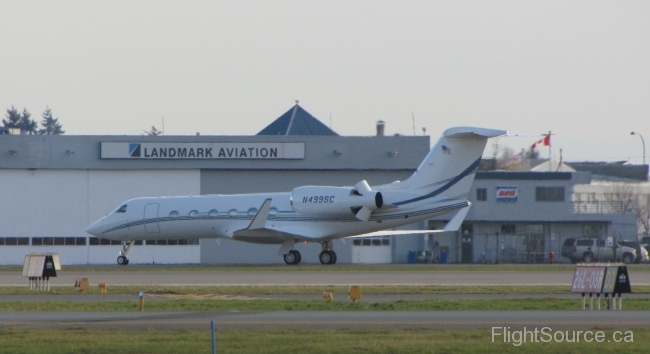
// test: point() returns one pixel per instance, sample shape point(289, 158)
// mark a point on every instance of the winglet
point(455, 222)
point(259, 220)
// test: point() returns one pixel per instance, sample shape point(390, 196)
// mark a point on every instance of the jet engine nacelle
point(333, 201)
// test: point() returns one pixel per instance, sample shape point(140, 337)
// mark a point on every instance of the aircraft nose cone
point(95, 229)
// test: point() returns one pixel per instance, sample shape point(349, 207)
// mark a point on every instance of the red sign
point(588, 280)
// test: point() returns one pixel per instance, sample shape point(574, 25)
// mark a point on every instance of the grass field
point(253, 304)
point(294, 341)
point(330, 268)
point(309, 289)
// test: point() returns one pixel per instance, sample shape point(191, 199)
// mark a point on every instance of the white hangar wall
point(63, 203)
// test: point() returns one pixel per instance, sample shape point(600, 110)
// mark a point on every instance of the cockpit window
point(122, 209)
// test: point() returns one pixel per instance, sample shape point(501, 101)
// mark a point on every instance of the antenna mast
point(413, 115)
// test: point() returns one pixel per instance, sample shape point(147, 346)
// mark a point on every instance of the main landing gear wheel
point(122, 260)
point(327, 257)
point(293, 257)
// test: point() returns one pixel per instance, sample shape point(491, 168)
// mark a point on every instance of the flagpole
point(549, 151)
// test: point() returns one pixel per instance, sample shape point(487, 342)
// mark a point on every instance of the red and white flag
point(544, 142)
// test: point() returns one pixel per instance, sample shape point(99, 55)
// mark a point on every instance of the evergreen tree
point(13, 118)
point(27, 124)
point(50, 124)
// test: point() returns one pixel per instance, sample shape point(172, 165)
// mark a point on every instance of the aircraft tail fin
point(448, 169)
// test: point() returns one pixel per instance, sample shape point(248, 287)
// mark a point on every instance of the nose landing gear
point(123, 259)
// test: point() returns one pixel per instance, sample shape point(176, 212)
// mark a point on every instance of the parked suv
point(641, 253)
point(645, 242)
point(589, 250)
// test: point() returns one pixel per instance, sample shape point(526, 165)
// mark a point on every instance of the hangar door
point(151, 212)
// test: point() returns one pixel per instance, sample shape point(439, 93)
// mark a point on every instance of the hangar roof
point(296, 121)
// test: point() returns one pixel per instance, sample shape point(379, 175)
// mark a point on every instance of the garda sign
point(215, 151)
point(507, 194)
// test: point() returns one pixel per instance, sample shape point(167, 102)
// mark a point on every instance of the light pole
point(643, 142)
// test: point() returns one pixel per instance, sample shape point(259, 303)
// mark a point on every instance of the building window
point(507, 229)
point(11, 241)
point(481, 194)
point(592, 230)
point(150, 242)
point(535, 229)
point(93, 241)
point(549, 194)
point(81, 241)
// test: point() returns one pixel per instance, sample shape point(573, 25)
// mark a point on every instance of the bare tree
point(626, 198)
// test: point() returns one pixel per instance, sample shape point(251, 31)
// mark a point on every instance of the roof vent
point(380, 127)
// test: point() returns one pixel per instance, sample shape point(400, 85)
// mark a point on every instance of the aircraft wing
point(396, 232)
point(452, 226)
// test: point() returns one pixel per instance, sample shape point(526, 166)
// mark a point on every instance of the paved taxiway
point(557, 320)
point(316, 278)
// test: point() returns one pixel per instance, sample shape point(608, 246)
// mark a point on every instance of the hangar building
point(56, 186)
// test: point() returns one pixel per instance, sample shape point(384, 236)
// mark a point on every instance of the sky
point(580, 69)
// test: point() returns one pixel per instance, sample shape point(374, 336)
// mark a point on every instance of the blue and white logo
point(134, 150)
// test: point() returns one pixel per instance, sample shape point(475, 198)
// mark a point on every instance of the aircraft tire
point(290, 258)
point(333, 257)
point(326, 257)
point(121, 260)
point(298, 256)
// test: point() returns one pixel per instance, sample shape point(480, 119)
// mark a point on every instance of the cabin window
point(122, 209)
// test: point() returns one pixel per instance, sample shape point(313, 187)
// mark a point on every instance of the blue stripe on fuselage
point(455, 180)
point(413, 213)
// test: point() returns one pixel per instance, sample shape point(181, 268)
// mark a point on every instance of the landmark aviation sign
point(216, 151)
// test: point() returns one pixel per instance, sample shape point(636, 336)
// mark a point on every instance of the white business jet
point(320, 214)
